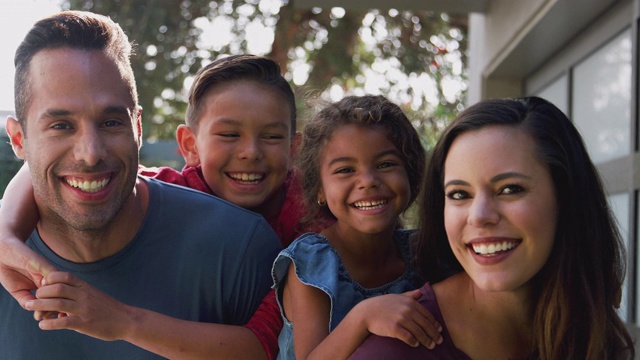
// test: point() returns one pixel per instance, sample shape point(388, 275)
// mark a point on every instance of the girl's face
point(500, 207)
point(364, 180)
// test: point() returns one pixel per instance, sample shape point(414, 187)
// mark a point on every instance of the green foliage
point(343, 50)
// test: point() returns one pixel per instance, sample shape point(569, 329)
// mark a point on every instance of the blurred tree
point(416, 58)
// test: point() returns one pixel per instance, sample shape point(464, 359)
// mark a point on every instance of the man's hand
point(81, 307)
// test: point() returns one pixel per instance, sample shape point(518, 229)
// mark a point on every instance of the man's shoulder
point(201, 217)
point(173, 191)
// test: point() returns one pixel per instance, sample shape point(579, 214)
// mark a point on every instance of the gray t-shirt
point(195, 257)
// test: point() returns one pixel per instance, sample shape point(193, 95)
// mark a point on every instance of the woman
point(512, 198)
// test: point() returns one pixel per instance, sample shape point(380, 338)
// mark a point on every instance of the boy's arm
point(21, 269)
point(93, 313)
point(266, 323)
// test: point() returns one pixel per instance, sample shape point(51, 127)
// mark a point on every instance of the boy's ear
point(16, 136)
point(187, 143)
point(296, 140)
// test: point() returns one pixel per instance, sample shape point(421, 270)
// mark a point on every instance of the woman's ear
point(187, 143)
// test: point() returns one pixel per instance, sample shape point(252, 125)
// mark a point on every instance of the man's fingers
point(23, 296)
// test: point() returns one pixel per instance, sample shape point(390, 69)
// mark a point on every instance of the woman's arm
point(93, 313)
point(21, 269)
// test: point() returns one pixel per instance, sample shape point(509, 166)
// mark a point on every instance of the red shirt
point(266, 322)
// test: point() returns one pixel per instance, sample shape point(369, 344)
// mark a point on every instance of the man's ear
point(296, 140)
point(187, 143)
point(139, 127)
point(16, 136)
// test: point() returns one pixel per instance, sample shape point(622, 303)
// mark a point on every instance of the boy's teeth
point(90, 186)
point(246, 177)
point(484, 249)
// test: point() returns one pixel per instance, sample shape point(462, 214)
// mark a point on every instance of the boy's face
point(243, 144)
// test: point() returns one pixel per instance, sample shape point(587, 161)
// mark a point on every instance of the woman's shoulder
point(381, 347)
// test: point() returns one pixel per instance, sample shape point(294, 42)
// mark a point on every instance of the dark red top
point(380, 347)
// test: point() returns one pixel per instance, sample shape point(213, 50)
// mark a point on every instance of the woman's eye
point(457, 195)
point(511, 189)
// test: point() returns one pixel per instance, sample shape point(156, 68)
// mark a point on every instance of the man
point(141, 242)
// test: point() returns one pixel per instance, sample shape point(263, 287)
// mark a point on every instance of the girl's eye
point(343, 171)
point(511, 189)
point(386, 164)
point(457, 195)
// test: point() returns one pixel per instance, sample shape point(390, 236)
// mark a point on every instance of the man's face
point(81, 140)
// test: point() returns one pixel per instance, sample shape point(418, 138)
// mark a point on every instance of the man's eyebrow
point(52, 113)
point(115, 109)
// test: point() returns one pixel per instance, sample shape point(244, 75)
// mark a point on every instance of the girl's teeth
point(368, 205)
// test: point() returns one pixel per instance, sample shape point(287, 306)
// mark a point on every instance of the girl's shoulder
point(313, 257)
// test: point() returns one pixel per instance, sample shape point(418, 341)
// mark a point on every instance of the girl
point(513, 199)
point(361, 161)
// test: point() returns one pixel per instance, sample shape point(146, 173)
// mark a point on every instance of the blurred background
point(414, 57)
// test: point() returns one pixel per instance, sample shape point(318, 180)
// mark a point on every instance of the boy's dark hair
point(260, 69)
point(368, 111)
point(77, 30)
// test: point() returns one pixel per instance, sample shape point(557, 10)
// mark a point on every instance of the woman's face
point(500, 207)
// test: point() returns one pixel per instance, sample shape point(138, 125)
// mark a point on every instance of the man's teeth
point(89, 186)
point(247, 177)
point(369, 205)
point(484, 249)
